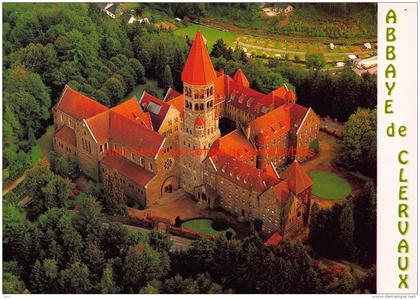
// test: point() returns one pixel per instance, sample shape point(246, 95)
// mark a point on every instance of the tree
point(221, 49)
point(179, 285)
point(115, 88)
point(75, 279)
point(365, 222)
point(257, 223)
point(167, 80)
point(160, 241)
point(114, 240)
point(346, 235)
point(359, 141)
point(89, 222)
point(62, 165)
point(16, 234)
point(114, 199)
point(107, 284)
point(314, 145)
point(44, 277)
point(138, 67)
point(13, 285)
point(220, 222)
point(178, 221)
point(143, 264)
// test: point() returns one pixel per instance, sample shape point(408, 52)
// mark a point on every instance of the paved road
point(302, 53)
point(178, 243)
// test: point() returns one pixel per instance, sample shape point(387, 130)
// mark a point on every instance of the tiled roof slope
point(66, 134)
point(128, 169)
point(78, 105)
point(198, 69)
point(297, 178)
point(156, 108)
point(242, 174)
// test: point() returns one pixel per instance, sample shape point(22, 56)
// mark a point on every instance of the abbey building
point(157, 146)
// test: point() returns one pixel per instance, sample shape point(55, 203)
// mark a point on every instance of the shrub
point(229, 235)
point(220, 222)
point(257, 223)
point(314, 145)
point(178, 221)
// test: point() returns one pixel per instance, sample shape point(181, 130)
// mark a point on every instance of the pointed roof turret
point(240, 78)
point(198, 69)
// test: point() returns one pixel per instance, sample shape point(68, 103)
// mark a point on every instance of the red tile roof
point(248, 99)
point(133, 135)
point(199, 121)
point(128, 169)
point(240, 78)
point(171, 93)
point(99, 126)
point(198, 69)
point(234, 144)
point(132, 111)
point(297, 114)
point(178, 103)
point(78, 105)
point(297, 178)
point(275, 239)
point(242, 174)
point(281, 190)
point(272, 125)
point(271, 170)
point(67, 135)
point(156, 108)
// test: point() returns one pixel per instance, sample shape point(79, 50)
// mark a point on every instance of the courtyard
point(332, 185)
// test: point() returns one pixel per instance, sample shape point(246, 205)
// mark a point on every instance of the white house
point(332, 46)
point(368, 46)
point(110, 9)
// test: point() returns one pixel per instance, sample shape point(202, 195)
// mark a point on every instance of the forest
point(64, 251)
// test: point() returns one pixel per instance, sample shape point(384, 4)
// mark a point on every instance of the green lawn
point(204, 226)
point(328, 185)
point(138, 90)
point(43, 143)
point(210, 34)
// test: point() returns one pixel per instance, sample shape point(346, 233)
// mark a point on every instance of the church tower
point(200, 126)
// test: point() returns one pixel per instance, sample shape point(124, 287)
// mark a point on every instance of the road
point(245, 45)
point(178, 243)
point(11, 185)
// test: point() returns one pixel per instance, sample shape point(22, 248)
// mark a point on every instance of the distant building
point(158, 146)
point(134, 20)
point(110, 9)
point(332, 46)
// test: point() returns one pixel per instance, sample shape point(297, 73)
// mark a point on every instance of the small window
point(101, 148)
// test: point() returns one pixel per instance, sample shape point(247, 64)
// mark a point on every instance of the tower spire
point(198, 69)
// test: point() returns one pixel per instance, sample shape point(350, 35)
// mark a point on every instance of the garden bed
point(203, 225)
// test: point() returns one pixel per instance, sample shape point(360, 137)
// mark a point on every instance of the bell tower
point(200, 125)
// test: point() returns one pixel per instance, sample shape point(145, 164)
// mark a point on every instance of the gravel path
point(245, 45)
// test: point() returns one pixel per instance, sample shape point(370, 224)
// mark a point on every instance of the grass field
point(210, 34)
point(271, 47)
point(204, 226)
point(43, 143)
point(327, 185)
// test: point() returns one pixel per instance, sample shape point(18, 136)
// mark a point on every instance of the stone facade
point(158, 146)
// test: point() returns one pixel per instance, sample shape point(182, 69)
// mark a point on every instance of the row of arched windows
point(198, 106)
point(198, 93)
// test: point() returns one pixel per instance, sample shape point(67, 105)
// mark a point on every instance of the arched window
point(196, 107)
point(201, 106)
point(211, 90)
